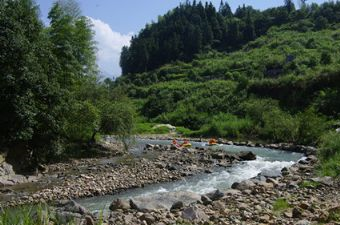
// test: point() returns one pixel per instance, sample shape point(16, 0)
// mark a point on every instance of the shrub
point(329, 154)
point(226, 125)
point(280, 205)
point(279, 126)
point(82, 121)
point(311, 126)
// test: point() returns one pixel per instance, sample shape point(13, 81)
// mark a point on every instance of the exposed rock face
point(6, 169)
point(9, 178)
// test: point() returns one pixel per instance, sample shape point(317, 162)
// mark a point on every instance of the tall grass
point(36, 215)
point(26, 215)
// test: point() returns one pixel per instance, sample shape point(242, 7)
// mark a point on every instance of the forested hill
point(282, 86)
point(193, 28)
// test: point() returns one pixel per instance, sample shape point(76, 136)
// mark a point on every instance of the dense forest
point(193, 28)
point(51, 100)
point(269, 75)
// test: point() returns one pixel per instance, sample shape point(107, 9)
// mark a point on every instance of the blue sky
point(115, 21)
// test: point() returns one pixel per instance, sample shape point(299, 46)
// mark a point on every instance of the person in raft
point(212, 141)
point(186, 143)
point(175, 143)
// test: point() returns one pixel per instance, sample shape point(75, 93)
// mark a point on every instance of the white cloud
point(109, 45)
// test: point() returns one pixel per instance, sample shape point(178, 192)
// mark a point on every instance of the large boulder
point(6, 169)
point(162, 200)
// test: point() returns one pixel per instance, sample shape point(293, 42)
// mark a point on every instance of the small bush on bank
point(329, 154)
point(279, 126)
point(226, 125)
point(280, 205)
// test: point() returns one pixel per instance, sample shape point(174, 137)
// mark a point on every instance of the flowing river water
point(268, 162)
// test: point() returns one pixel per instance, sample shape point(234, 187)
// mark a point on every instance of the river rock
point(328, 181)
point(148, 218)
point(303, 222)
point(73, 207)
point(244, 185)
point(89, 220)
point(119, 204)
point(64, 217)
point(297, 212)
point(206, 200)
point(271, 173)
point(215, 195)
point(176, 206)
point(162, 200)
point(194, 214)
point(247, 156)
point(6, 169)
point(218, 155)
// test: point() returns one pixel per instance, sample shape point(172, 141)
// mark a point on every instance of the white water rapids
point(268, 161)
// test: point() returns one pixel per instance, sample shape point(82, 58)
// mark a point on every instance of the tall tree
point(225, 9)
point(289, 4)
point(73, 44)
point(249, 32)
point(30, 98)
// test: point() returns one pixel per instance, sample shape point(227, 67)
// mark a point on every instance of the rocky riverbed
point(296, 197)
point(94, 177)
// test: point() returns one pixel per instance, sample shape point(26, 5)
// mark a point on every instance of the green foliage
point(280, 126)
point(35, 215)
point(226, 125)
point(117, 118)
point(309, 184)
point(161, 130)
point(30, 99)
point(311, 126)
point(280, 205)
point(329, 154)
point(191, 28)
point(143, 128)
point(27, 215)
point(82, 121)
point(184, 131)
point(50, 94)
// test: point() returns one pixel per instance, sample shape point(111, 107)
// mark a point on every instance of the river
point(269, 162)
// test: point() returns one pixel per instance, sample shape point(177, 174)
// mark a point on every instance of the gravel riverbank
point(87, 178)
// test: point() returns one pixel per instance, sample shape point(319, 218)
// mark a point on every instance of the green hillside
point(266, 90)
